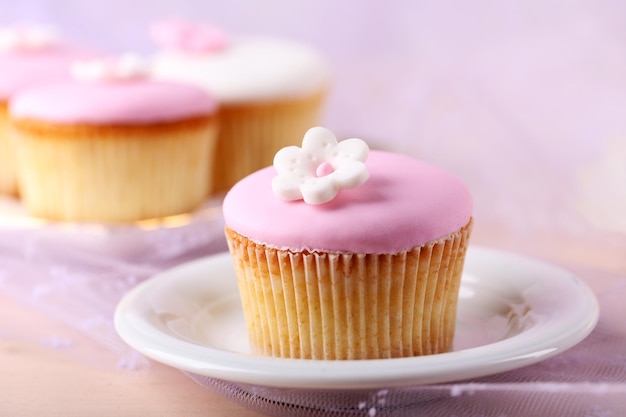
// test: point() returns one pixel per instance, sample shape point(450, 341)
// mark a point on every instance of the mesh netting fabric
point(588, 380)
point(76, 274)
point(78, 278)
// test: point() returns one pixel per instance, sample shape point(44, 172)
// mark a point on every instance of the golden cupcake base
point(350, 306)
point(86, 173)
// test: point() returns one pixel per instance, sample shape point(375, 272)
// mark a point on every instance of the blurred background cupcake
point(270, 89)
point(113, 145)
point(29, 55)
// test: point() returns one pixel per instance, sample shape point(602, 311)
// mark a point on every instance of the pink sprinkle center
point(324, 169)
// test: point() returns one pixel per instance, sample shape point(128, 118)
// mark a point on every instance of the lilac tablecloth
point(77, 274)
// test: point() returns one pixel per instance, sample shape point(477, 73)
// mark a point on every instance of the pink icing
point(181, 35)
point(22, 69)
point(124, 102)
point(404, 203)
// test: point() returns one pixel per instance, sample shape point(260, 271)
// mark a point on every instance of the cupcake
point(270, 90)
point(113, 145)
point(29, 55)
point(343, 253)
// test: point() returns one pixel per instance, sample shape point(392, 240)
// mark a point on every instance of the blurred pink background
point(524, 100)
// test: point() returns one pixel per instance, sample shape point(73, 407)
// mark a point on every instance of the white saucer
point(513, 311)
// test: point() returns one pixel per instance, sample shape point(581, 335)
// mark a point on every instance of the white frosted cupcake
point(29, 55)
point(341, 253)
point(113, 145)
point(270, 90)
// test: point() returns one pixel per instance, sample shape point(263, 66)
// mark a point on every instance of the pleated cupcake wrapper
point(8, 171)
point(350, 306)
point(250, 135)
point(96, 174)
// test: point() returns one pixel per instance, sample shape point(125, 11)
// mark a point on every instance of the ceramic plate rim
point(559, 331)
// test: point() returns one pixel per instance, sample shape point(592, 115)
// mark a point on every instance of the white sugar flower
point(124, 67)
point(320, 168)
point(29, 37)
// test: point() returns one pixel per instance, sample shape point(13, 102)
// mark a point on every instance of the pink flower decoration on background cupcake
point(181, 35)
point(322, 167)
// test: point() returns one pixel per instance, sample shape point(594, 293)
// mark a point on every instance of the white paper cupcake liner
point(350, 306)
point(250, 135)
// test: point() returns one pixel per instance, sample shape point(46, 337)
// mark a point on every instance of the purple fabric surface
point(78, 277)
point(78, 273)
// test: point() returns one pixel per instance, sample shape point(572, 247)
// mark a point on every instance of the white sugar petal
point(317, 142)
point(291, 160)
point(350, 174)
point(353, 149)
point(287, 187)
point(318, 190)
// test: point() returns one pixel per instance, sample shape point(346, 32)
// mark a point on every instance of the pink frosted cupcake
point(28, 56)
point(369, 271)
point(113, 145)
